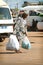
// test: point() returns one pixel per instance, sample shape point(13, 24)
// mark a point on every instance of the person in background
point(34, 25)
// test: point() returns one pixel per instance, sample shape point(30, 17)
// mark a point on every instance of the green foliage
point(16, 9)
point(41, 15)
point(40, 3)
point(25, 4)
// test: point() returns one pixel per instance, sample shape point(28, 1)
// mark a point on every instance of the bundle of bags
point(13, 43)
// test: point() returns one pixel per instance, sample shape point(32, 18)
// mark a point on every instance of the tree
point(40, 3)
point(25, 4)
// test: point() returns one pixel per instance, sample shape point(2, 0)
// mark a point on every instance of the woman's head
point(24, 15)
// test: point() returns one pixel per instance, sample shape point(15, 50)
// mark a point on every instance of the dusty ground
point(33, 56)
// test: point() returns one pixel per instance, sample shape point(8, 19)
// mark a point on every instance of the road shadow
point(32, 42)
point(7, 52)
point(10, 52)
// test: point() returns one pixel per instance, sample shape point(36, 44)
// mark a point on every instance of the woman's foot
point(18, 51)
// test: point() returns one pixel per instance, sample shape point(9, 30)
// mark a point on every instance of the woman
point(21, 27)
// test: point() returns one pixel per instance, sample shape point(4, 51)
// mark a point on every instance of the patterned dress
point(20, 28)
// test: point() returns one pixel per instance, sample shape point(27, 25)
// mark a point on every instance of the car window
point(33, 13)
point(5, 13)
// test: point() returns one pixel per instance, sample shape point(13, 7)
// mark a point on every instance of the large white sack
point(26, 43)
point(13, 43)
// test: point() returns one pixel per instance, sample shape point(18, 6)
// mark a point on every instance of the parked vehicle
point(6, 19)
point(33, 14)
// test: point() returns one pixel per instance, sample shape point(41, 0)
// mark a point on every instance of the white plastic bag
point(13, 43)
point(26, 43)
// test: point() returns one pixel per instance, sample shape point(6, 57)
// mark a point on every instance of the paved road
point(33, 56)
